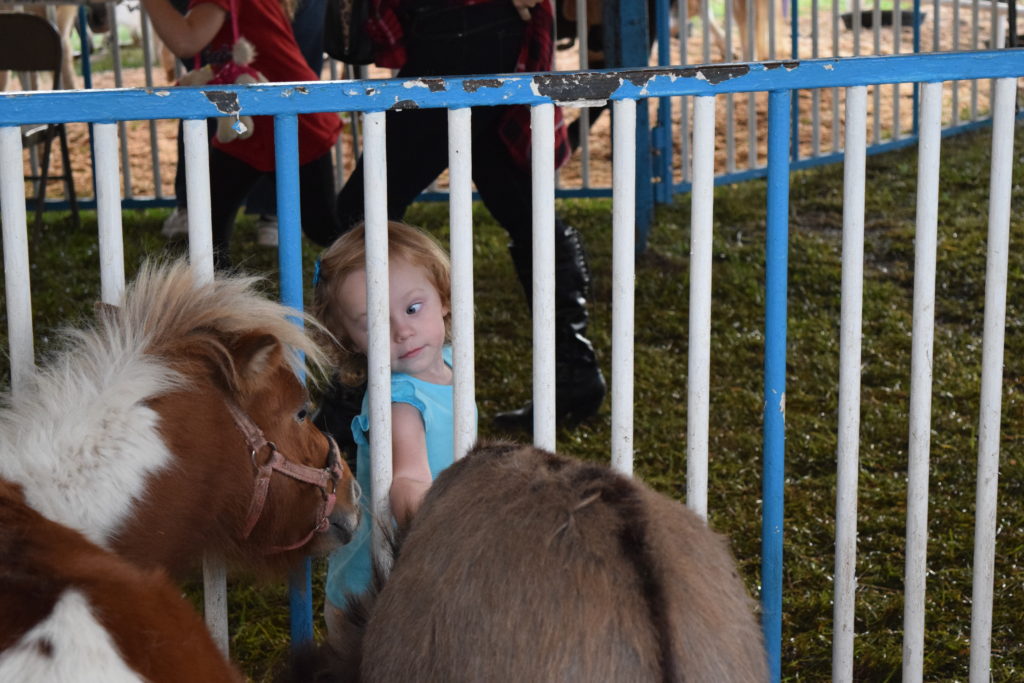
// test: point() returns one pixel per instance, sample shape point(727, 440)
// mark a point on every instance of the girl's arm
point(410, 469)
point(185, 35)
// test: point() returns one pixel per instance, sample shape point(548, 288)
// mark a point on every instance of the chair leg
point(44, 174)
point(69, 178)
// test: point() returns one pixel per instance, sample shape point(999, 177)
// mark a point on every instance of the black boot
point(579, 385)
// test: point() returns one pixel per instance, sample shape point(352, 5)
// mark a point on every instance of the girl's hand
point(410, 469)
point(523, 7)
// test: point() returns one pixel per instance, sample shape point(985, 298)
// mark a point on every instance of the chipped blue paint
point(107, 106)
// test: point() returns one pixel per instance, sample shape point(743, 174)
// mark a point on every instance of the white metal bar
point(215, 599)
point(992, 377)
point(847, 454)
point(200, 250)
point(699, 373)
point(108, 207)
point(197, 186)
point(623, 280)
point(583, 38)
point(542, 125)
point(378, 313)
point(922, 336)
point(17, 284)
point(460, 200)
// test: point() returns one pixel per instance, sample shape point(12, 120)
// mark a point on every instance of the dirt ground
point(740, 126)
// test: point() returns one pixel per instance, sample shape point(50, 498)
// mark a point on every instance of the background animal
point(63, 17)
point(74, 612)
point(740, 35)
point(153, 432)
point(529, 565)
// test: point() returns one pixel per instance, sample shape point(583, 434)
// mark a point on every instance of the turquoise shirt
point(350, 568)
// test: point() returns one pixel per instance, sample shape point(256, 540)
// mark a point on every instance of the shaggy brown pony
point(526, 565)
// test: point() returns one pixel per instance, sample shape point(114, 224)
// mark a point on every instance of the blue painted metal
point(289, 257)
point(625, 33)
point(662, 133)
point(109, 106)
point(776, 265)
point(794, 46)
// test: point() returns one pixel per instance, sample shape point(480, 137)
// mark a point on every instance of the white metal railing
point(704, 145)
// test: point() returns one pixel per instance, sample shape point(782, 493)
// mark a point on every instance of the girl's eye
point(413, 309)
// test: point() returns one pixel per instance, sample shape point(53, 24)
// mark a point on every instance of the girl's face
point(417, 320)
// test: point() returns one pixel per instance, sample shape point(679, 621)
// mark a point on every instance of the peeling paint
point(788, 66)
point(402, 105)
point(162, 93)
point(471, 85)
point(830, 67)
point(782, 403)
point(225, 102)
point(431, 84)
point(370, 92)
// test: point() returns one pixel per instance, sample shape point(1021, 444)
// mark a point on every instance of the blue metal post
point(776, 267)
point(626, 45)
point(289, 259)
point(663, 147)
point(794, 39)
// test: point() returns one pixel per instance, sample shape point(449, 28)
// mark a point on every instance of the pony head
point(178, 424)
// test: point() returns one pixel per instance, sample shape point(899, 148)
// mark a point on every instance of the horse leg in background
point(66, 15)
point(762, 18)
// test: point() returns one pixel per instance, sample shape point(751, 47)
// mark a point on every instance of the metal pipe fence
point(710, 87)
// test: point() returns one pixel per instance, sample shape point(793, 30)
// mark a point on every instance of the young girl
point(235, 166)
point(421, 376)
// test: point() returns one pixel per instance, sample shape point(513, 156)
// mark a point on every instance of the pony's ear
point(254, 353)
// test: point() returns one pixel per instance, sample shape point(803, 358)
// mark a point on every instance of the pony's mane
point(167, 309)
point(81, 437)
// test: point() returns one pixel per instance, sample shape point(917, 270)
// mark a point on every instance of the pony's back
point(527, 564)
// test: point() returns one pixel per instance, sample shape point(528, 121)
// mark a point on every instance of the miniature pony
point(522, 564)
point(75, 612)
point(176, 424)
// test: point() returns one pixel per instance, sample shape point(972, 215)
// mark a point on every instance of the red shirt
point(264, 24)
point(535, 54)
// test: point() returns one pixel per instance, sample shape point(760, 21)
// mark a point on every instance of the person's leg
point(316, 201)
point(230, 181)
point(417, 152)
point(308, 27)
point(443, 42)
point(507, 193)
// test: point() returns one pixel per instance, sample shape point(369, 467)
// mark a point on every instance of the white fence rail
point(710, 92)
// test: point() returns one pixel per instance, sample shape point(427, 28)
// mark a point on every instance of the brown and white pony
point(74, 612)
point(526, 565)
point(176, 424)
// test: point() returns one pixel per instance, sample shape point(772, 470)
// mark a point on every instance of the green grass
point(65, 283)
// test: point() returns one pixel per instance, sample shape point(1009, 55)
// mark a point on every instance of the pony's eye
point(301, 415)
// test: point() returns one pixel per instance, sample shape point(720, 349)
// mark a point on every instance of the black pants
point(479, 39)
point(231, 180)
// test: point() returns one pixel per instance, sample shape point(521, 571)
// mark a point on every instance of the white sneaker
point(266, 231)
point(176, 224)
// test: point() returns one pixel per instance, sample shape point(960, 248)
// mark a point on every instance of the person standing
point(462, 37)
point(213, 27)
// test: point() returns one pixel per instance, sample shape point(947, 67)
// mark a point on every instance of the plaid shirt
point(536, 54)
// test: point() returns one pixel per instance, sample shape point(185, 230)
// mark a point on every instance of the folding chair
point(31, 43)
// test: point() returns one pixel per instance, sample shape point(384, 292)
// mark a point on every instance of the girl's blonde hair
point(348, 255)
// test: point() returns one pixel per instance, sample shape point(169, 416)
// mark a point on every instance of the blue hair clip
point(316, 273)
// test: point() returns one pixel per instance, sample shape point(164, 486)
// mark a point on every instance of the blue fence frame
point(780, 79)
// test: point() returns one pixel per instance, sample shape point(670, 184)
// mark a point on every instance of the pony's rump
point(75, 612)
point(529, 565)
